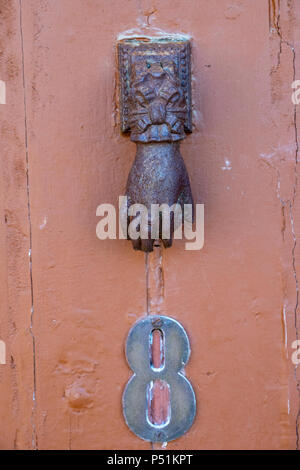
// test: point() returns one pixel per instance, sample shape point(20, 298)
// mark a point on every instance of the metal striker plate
point(182, 406)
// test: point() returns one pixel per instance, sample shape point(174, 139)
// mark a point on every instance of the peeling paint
point(43, 224)
point(33, 415)
point(2, 352)
point(2, 92)
point(287, 204)
point(227, 165)
point(155, 33)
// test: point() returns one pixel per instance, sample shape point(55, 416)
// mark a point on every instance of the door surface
point(69, 299)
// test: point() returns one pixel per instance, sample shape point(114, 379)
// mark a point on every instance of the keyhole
point(158, 391)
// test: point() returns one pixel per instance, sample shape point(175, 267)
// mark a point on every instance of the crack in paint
point(155, 290)
point(155, 279)
point(147, 281)
point(274, 24)
point(33, 414)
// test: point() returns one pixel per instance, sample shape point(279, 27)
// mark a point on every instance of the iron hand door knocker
point(155, 104)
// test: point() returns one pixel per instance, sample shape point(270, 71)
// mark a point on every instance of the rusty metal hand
point(158, 176)
point(156, 109)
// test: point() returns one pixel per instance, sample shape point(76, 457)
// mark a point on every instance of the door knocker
point(155, 106)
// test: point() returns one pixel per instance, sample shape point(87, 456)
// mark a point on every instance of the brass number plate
point(182, 402)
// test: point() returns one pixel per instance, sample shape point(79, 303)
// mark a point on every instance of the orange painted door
point(69, 299)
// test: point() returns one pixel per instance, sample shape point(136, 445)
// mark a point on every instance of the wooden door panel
point(236, 298)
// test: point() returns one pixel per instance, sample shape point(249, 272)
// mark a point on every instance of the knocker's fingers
point(143, 245)
point(136, 244)
point(167, 242)
point(147, 245)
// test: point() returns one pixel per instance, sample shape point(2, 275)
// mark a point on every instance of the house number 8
point(176, 352)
